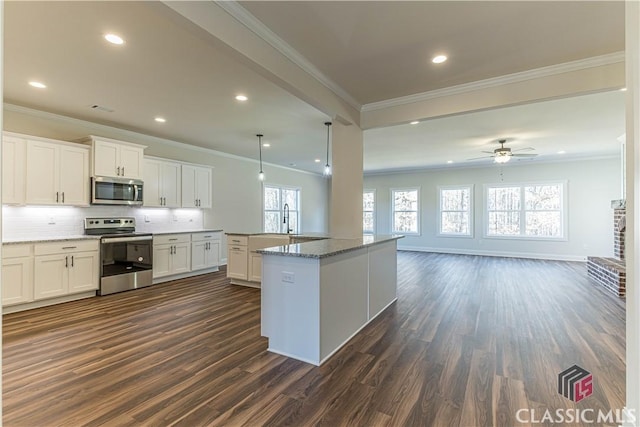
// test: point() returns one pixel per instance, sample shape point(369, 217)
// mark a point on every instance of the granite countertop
point(327, 247)
point(311, 235)
point(206, 230)
point(49, 239)
point(88, 237)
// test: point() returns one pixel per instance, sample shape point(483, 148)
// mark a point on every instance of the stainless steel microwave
point(116, 191)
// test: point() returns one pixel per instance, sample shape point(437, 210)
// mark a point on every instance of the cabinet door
point(74, 176)
point(42, 173)
point(237, 262)
point(203, 187)
point(50, 276)
point(255, 267)
point(151, 194)
point(161, 260)
point(17, 280)
point(188, 186)
point(83, 272)
point(13, 170)
point(213, 254)
point(131, 162)
point(170, 183)
point(105, 159)
point(181, 258)
point(199, 255)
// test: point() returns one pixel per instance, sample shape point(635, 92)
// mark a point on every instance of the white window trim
point(375, 210)
point(471, 211)
point(564, 209)
point(281, 187)
point(392, 222)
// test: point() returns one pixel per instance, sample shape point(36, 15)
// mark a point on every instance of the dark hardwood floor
point(469, 342)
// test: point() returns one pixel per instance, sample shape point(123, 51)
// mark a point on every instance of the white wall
point(591, 185)
point(237, 192)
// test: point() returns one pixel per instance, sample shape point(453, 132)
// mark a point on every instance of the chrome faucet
point(285, 215)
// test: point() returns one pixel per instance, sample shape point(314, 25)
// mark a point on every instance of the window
point(456, 211)
point(528, 211)
point(405, 205)
point(368, 211)
point(275, 199)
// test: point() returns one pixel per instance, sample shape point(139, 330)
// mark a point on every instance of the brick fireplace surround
point(611, 272)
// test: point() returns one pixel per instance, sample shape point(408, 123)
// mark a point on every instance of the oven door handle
point(125, 239)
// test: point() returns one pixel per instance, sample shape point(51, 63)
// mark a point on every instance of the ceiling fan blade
point(484, 157)
point(524, 155)
point(488, 152)
point(524, 149)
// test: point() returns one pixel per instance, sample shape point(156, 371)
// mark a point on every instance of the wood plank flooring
point(469, 342)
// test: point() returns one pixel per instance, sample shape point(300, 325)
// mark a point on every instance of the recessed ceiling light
point(449, 161)
point(415, 122)
point(266, 145)
point(561, 152)
point(624, 89)
point(241, 98)
point(113, 38)
point(38, 84)
point(317, 160)
point(160, 119)
point(439, 59)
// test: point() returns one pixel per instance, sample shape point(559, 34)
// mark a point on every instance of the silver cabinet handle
point(118, 171)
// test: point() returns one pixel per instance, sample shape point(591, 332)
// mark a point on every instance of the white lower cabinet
point(205, 251)
point(171, 254)
point(17, 274)
point(65, 268)
point(33, 273)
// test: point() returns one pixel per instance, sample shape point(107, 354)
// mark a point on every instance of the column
point(632, 47)
point(345, 218)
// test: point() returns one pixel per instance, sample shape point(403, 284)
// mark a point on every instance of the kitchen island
point(317, 295)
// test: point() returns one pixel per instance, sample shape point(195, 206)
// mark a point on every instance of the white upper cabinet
point(57, 173)
point(162, 186)
point(116, 159)
point(196, 186)
point(13, 169)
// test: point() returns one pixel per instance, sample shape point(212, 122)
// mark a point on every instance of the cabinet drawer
point(199, 237)
point(171, 239)
point(66, 247)
point(17, 250)
point(237, 240)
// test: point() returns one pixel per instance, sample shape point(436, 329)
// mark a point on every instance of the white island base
point(315, 298)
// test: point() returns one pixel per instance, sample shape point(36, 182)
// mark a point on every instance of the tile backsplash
point(53, 221)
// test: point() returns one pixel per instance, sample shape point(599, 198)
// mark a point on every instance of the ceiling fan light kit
point(504, 154)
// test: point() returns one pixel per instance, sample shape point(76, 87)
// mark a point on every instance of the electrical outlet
point(288, 277)
point(52, 221)
point(147, 219)
point(175, 217)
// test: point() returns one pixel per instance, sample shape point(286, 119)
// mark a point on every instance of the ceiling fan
point(504, 154)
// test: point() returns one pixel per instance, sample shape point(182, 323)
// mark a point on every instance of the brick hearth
point(611, 272)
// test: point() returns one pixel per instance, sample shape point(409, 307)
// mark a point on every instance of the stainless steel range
point(126, 256)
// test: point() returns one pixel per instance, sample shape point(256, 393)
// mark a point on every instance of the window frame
point(373, 212)
point(470, 211)
point(418, 211)
point(564, 211)
point(298, 211)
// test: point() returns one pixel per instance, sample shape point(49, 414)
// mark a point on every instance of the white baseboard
point(531, 255)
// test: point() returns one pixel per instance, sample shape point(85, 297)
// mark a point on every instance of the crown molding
point(97, 127)
point(243, 16)
point(566, 67)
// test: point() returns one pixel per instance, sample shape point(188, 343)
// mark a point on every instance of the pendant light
point(327, 168)
point(261, 174)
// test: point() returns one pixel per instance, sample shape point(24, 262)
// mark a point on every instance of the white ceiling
point(373, 50)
